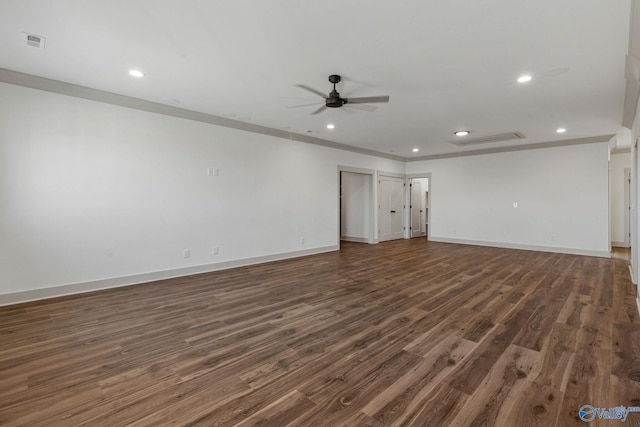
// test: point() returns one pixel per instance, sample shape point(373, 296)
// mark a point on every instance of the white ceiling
point(447, 65)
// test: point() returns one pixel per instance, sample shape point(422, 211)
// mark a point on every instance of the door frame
point(627, 207)
point(373, 201)
point(412, 205)
point(428, 207)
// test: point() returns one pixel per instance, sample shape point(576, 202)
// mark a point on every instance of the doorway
point(419, 207)
point(390, 208)
point(356, 201)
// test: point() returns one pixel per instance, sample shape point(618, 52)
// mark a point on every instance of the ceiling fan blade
point(363, 107)
point(320, 110)
point(303, 105)
point(368, 100)
point(312, 90)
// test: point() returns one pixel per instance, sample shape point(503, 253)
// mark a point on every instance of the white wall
point(100, 194)
point(635, 188)
point(356, 190)
point(562, 196)
point(97, 195)
point(617, 165)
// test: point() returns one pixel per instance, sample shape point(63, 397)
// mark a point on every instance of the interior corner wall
point(561, 195)
point(98, 194)
point(617, 165)
point(635, 188)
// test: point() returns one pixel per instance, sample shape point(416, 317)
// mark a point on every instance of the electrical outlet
point(186, 253)
point(302, 240)
point(215, 250)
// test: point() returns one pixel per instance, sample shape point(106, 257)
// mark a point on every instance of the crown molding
point(63, 88)
point(562, 143)
point(68, 89)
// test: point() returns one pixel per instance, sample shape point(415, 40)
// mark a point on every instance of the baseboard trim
point(619, 244)
point(355, 239)
point(571, 251)
point(116, 282)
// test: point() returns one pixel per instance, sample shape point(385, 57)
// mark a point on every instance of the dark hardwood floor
point(403, 333)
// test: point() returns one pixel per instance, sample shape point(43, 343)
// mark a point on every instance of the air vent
point(463, 142)
point(35, 41)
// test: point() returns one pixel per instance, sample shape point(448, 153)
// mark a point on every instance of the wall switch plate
point(186, 253)
point(515, 204)
point(215, 250)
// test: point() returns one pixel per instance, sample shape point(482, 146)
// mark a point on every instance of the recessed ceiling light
point(462, 133)
point(415, 150)
point(561, 130)
point(524, 78)
point(331, 126)
point(136, 73)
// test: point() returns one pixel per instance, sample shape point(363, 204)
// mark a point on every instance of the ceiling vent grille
point(463, 142)
point(35, 41)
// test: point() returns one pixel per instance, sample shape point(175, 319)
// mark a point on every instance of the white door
point(390, 208)
point(416, 208)
point(627, 208)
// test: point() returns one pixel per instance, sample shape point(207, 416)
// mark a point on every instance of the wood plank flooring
point(403, 333)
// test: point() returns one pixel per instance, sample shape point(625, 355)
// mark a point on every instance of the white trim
point(521, 147)
point(617, 244)
point(571, 251)
point(355, 239)
point(623, 150)
point(77, 288)
point(392, 174)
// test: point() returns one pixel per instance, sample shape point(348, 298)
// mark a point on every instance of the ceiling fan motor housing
point(334, 100)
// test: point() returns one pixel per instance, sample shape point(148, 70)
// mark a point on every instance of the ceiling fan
point(335, 101)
